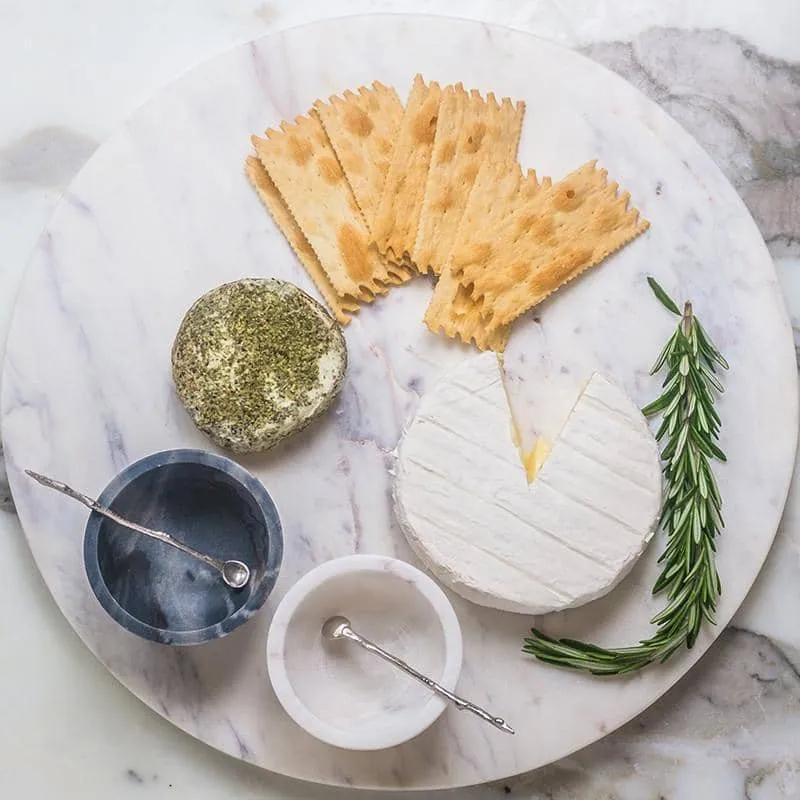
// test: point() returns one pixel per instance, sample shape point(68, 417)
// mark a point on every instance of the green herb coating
point(256, 360)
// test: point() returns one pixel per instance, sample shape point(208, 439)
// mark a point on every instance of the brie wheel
point(463, 499)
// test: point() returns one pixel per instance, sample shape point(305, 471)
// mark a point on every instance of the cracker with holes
point(546, 241)
point(453, 312)
point(497, 190)
point(362, 127)
point(397, 218)
point(303, 166)
point(470, 131)
point(341, 307)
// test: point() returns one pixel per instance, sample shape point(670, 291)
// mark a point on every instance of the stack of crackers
point(370, 192)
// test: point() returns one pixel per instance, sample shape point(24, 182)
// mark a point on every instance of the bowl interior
point(341, 684)
point(157, 585)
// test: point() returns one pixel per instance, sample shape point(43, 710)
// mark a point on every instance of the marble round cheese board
point(162, 213)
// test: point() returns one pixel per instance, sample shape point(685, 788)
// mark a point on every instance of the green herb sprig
point(690, 514)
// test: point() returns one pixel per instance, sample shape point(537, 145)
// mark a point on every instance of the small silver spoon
point(339, 628)
point(235, 573)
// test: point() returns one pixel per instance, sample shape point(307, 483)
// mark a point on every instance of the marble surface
point(113, 292)
point(729, 729)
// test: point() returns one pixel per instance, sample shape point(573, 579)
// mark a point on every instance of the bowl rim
point(378, 737)
point(258, 594)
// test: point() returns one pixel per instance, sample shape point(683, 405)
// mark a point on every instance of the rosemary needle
point(691, 513)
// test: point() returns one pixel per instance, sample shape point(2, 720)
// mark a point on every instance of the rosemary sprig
point(690, 514)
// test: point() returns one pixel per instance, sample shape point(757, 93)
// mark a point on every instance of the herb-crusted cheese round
point(255, 361)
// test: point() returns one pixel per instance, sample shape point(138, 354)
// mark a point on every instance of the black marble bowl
point(206, 501)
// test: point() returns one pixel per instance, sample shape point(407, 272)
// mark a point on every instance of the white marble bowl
point(338, 692)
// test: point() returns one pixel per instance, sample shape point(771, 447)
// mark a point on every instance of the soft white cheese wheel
point(463, 499)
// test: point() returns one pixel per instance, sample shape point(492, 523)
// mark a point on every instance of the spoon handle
point(459, 702)
point(106, 512)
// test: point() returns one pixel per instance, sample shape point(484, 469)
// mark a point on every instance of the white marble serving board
point(163, 213)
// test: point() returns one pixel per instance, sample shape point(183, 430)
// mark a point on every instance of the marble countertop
point(728, 71)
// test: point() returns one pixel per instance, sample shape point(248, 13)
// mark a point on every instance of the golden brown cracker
point(498, 190)
point(303, 166)
point(395, 223)
point(452, 310)
point(470, 130)
point(341, 307)
point(546, 241)
point(362, 127)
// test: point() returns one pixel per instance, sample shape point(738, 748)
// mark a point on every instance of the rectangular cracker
point(469, 132)
point(396, 221)
point(362, 127)
point(452, 310)
point(544, 242)
point(341, 307)
point(303, 166)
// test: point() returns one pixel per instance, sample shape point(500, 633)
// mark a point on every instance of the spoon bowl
point(335, 627)
point(235, 573)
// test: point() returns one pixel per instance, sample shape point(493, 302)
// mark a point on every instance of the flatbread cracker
point(544, 242)
point(341, 307)
point(396, 221)
point(497, 192)
point(362, 127)
point(303, 166)
point(452, 310)
point(469, 132)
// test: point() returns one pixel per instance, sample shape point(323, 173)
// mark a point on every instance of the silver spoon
point(235, 573)
point(339, 628)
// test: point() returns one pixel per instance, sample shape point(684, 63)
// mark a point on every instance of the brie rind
point(464, 503)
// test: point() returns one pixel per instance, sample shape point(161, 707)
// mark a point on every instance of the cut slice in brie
point(464, 502)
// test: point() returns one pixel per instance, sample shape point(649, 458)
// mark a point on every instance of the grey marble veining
point(48, 156)
point(741, 105)
point(749, 719)
point(6, 500)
